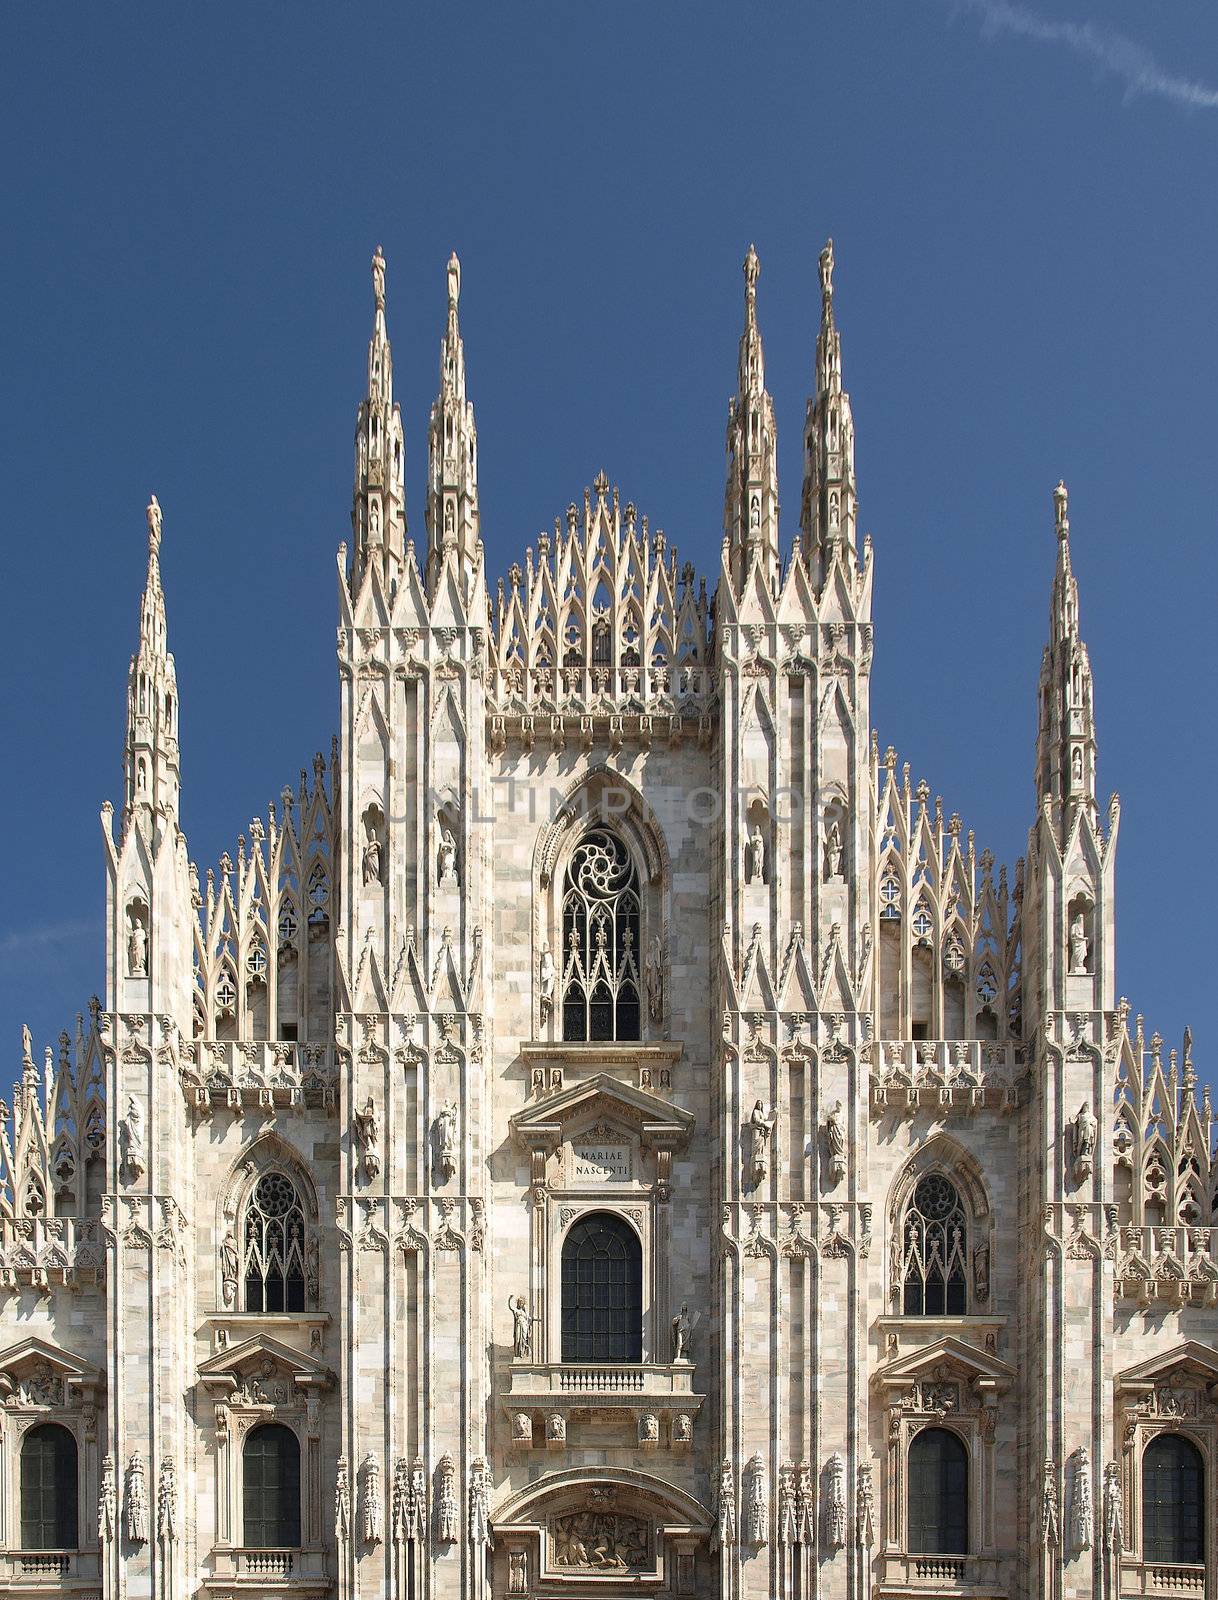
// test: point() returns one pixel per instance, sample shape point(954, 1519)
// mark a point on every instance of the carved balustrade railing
point(942, 1574)
point(42, 1252)
point(240, 1073)
point(958, 1074)
point(541, 1399)
point(1177, 1264)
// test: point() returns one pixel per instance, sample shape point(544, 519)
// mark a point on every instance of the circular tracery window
point(935, 1197)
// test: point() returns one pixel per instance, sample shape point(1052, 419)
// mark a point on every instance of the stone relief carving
point(835, 1143)
point(864, 1508)
point(1080, 945)
point(654, 978)
point(480, 1503)
point(761, 1126)
point(726, 1512)
point(137, 941)
point(342, 1503)
point(167, 1503)
point(371, 1473)
point(518, 1572)
point(131, 1140)
point(447, 857)
point(522, 1338)
point(546, 978)
point(137, 1500)
point(446, 1141)
point(681, 1331)
point(1084, 1130)
point(1114, 1514)
point(756, 1509)
point(366, 1127)
point(835, 1502)
point(1050, 1521)
point(229, 1268)
point(1080, 1498)
point(107, 1502)
point(447, 1510)
point(600, 1541)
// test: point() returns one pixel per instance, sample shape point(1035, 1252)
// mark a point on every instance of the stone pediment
point(38, 1372)
point(263, 1370)
point(656, 1122)
point(1190, 1360)
point(980, 1370)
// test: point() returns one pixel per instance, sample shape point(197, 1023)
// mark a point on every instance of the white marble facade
point(894, 1170)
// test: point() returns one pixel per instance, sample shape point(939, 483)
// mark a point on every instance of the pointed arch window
point(49, 1485)
point(938, 1493)
point(935, 1250)
point(600, 916)
point(602, 1290)
point(273, 1244)
point(270, 1464)
point(1173, 1501)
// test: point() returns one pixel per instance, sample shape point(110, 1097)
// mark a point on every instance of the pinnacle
point(1061, 506)
point(153, 514)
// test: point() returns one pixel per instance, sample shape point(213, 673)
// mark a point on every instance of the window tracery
point(934, 1260)
point(601, 941)
point(274, 1268)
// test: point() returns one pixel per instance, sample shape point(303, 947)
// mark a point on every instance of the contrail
point(1112, 52)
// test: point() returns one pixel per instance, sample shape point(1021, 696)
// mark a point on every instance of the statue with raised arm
point(522, 1337)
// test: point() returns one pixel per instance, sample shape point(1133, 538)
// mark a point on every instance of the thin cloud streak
point(1112, 52)
point(14, 944)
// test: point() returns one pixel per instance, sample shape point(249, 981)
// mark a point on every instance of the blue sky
point(1022, 202)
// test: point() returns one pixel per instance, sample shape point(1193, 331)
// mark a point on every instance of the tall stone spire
point(829, 510)
point(750, 508)
point(150, 762)
point(452, 480)
point(378, 506)
point(1065, 741)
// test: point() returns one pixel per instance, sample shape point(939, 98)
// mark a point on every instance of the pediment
point(1191, 1359)
point(980, 1369)
point(265, 1364)
point(655, 1121)
point(36, 1370)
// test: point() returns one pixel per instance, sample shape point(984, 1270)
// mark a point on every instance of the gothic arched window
point(271, 1472)
point(938, 1493)
point(49, 1489)
point(935, 1250)
point(1173, 1499)
point(273, 1246)
point(600, 924)
point(602, 1290)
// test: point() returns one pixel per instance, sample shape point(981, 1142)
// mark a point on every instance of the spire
point(1065, 742)
point(378, 506)
point(452, 444)
point(150, 761)
point(750, 508)
point(829, 509)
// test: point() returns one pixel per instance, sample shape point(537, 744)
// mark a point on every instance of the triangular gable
point(1200, 1359)
point(63, 1362)
point(221, 1371)
point(979, 1368)
point(658, 1121)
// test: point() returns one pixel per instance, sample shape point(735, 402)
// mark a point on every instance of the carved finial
point(153, 513)
point(1061, 504)
point(826, 275)
point(752, 269)
point(378, 278)
point(454, 282)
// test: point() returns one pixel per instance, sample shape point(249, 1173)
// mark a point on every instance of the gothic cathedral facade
point(607, 1132)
